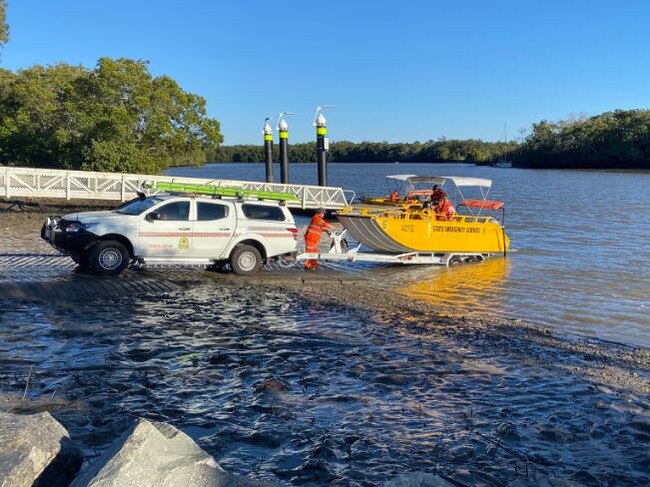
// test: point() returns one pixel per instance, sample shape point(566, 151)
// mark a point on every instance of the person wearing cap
point(437, 195)
point(313, 236)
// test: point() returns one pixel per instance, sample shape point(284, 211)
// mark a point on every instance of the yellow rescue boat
point(413, 228)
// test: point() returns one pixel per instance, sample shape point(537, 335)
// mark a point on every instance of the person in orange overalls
point(444, 210)
point(313, 235)
point(437, 196)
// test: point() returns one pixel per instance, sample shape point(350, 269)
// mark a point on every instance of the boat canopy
point(440, 180)
point(462, 181)
point(401, 177)
point(483, 204)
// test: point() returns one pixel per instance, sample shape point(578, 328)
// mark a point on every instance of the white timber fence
point(28, 182)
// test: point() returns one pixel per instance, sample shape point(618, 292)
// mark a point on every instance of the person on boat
point(437, 195)
point(313, 236)
point(394, 197)
point(444, 210)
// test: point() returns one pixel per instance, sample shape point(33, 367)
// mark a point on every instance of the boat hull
point(408, 233)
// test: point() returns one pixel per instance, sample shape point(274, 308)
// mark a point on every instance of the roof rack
point(220, 191)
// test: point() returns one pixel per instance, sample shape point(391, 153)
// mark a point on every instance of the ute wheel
point(245, 259)
point(108, 258)
point(455, 261)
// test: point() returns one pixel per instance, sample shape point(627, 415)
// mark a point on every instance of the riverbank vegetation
point(618, 139)
point(442, 150)
point(114, 117)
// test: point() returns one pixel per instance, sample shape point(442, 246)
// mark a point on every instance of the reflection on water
point(582, 260)
point(472, 288)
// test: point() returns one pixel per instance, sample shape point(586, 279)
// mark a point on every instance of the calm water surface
point(582, 241)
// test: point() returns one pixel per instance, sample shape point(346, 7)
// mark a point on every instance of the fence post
point(7, 185)
point(122, 194)
point(67, 186)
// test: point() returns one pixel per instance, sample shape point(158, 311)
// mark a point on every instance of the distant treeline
point(442, 150)
point(618, 139)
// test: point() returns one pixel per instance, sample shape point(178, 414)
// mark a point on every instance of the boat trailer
point(339, 252)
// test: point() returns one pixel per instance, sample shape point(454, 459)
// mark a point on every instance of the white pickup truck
point(175, 229)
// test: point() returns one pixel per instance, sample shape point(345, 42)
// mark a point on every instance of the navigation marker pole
point(322, 144)
point(283, 129)
point(268, 149)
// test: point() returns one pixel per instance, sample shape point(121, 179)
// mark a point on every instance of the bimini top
point(401, 177)
point(440, 180)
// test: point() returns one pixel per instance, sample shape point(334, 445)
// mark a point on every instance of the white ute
point(175, 229)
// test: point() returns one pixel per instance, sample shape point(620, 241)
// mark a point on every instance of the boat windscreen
point(483, 204)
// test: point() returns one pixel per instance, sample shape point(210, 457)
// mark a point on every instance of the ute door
point(213, 227)
point(165, 231)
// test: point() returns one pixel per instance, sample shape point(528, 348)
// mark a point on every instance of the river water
point(581, 240)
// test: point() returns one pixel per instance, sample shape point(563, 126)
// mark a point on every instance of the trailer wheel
point(245, 259)
point(108, 258)
point(455, 261)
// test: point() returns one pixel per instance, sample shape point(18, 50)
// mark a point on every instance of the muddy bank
point(613, 364)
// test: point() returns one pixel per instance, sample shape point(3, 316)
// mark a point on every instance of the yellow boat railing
point(418, 214)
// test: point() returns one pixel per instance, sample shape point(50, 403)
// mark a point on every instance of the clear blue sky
point(396, 70)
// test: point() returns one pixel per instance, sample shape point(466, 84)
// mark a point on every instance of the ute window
point(259, 212)
point(211, 211)
point(137, 206)
point(178, 211)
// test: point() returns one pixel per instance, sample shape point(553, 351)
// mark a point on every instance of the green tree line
point(618, 139)
point(114, 117)
point(471, 150)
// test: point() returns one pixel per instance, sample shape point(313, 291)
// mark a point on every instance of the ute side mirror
point(153, 216)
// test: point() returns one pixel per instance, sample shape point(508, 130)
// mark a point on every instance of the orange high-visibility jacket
point(445, 210)
point(316, 227)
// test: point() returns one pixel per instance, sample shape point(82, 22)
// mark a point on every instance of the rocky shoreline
point(36, 450)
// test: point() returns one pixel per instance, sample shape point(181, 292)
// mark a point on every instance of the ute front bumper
point(54, 232)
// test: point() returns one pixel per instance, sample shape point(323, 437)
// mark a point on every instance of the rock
point(272, 384)
point(507, 431)
point(36, 449)
point(393, 379)
point(417, 479)
point(152, 453)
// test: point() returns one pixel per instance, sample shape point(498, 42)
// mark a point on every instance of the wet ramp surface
point(54, 276)
point(43, 276)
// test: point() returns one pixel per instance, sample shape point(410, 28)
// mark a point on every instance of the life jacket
point(316, 227)
point(445, 210)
